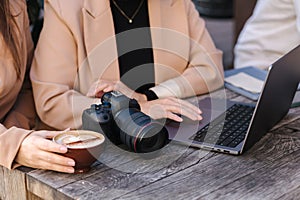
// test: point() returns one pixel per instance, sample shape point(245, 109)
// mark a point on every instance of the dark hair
point(8, 29)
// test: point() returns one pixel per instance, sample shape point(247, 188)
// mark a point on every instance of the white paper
point(246, 82)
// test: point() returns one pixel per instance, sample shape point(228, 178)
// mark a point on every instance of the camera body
point(121, 120)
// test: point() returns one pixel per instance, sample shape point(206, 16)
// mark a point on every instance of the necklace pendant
point(130, 21)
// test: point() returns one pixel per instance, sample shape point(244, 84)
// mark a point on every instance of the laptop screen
point(277, 96)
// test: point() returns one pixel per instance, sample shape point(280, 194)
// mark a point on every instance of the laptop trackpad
point(211, 109)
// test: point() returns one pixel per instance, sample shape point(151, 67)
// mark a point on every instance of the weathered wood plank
point(293, 194)
point(31, 196)
point(194, 181)
point(182, 172)
point(50, 179)
point(269, 182)
point(112, 183)
point(43, 191)
point(295, 125)
point(120, 183)
point(2, 184)
point(275, 146)
point(12, 184)
point(222, 171)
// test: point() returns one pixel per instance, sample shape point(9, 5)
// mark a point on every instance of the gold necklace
point(130, 19)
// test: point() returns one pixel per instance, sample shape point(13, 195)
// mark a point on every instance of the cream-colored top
point(272, 31)
point(77, 47)
point(16, 101)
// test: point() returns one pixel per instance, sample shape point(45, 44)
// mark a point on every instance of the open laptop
point(233, 127)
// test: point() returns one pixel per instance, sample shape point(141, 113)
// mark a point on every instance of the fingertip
point(63, 149)
point(71, 163)
point(198, 118)
point(198, 110)
point(178, 119)
point(70, 170)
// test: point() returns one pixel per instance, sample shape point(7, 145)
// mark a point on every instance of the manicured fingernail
point(70, 170)
point(63, 149)
point(71, 163)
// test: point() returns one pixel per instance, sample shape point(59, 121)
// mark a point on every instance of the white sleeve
point(297, 11)
point(268, 34)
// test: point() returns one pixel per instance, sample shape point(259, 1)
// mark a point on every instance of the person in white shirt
point(271, 31)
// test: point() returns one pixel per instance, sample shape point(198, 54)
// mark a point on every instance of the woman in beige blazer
point(18, 144)
point(79, 50)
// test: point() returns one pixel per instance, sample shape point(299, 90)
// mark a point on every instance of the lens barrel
point(121, 120)
point(139, 132)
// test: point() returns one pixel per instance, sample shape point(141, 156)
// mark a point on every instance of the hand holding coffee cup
point(84, 147)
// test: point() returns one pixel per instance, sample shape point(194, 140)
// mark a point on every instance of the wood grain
point(269, 170)
point(12, 180)
point(229, 177)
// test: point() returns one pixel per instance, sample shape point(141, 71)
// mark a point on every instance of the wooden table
point(270, 170)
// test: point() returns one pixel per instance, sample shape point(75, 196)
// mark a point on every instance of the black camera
point(121, 120)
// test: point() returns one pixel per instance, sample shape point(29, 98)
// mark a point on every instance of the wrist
point(140, 97)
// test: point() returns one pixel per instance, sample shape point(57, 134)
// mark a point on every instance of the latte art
point(79, 141)
point(84, 147)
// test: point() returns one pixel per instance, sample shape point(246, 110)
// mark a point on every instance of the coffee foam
point(66, 138)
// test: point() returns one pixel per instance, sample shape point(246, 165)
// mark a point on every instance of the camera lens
point(153, 136)
point(139, 132)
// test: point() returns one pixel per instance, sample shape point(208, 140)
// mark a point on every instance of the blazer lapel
point(166, 34)
point(154, 8)
point(100, 43)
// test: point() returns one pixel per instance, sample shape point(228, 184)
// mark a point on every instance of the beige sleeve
point(10, 141)
point(53, 74)
point(205, 71)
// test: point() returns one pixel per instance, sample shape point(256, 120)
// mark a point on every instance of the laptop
point(234, 127)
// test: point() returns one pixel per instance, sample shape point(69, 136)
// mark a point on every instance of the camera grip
point(99, 118)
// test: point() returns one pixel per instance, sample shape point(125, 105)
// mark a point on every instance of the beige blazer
point(77, 47)
point(16, 100)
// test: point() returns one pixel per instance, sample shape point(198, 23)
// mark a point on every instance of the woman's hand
point(101, 86)
point(38, 151)
point(170, 107)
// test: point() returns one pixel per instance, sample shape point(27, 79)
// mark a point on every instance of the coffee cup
point(84, 147)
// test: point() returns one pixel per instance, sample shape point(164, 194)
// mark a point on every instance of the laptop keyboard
point(229, 129)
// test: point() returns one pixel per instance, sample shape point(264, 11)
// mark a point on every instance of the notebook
point(248, 81)
point(233, 127)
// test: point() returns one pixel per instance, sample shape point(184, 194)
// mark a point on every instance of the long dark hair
point(8, 30)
